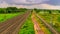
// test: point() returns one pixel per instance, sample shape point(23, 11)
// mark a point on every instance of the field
point(27, 27)
point(4, 17)
point(33, 24)
point(53, 19)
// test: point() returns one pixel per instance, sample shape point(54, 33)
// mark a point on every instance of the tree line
point(47, 10)
point(12, 10)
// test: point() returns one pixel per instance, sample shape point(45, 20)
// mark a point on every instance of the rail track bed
point(48, 25)
point(12, 26)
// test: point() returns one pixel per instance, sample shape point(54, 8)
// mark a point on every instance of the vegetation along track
point(47, 25)
point(13, 25)
point(36, 25)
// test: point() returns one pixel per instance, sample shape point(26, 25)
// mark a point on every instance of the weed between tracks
point(28, 27)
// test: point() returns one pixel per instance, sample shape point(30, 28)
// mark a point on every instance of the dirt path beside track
point(37, 28)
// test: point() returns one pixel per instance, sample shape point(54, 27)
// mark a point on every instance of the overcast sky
point(42, 4)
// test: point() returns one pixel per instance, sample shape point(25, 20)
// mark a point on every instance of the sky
point(40, 4)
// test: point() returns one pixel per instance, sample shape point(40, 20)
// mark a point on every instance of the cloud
point(47, 6)
point(19, 2)
point(3, 4)
point(40, 4)
point(53, 2)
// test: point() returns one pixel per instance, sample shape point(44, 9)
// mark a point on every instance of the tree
point(11, 9)
point(2, 11)
point(50, 12)
point(22, 9)
point(37, 10)
point(59, 11)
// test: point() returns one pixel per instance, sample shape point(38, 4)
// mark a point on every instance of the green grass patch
point(4, 17)
point(28, 27)
point(46, 17)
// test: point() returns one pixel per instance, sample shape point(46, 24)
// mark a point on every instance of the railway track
point(47, 25)
point(13, 25)
point(37, 28)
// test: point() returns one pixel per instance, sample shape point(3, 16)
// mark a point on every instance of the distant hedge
point(47, 10)
point(12, 10)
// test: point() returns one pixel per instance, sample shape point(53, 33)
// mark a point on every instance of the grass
point(55, 20)
point(28, 27)
point(4, 17)
point(47, 17)
point(43, 27)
